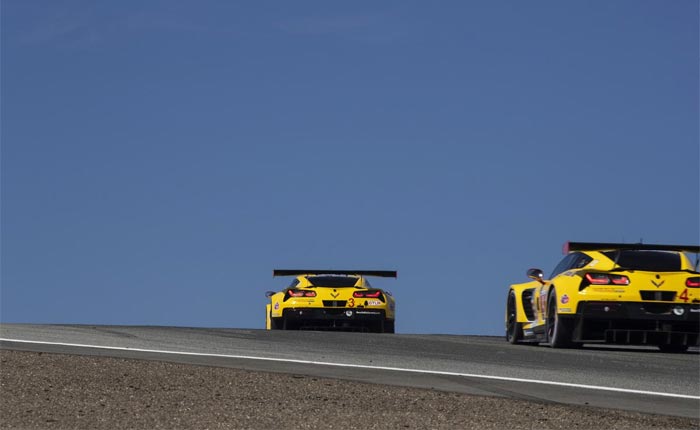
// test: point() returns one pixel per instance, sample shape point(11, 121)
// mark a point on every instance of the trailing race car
point(633, 294)
point(331, 299)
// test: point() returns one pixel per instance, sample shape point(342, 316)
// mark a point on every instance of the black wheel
point(673, 348)
point(389, 326)
point(514, 329)
point(275, 323)
point(558, 328)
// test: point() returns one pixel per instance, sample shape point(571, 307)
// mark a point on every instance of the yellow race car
point(331, 300)
point(634, 294)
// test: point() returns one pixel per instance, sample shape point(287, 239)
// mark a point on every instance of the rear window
point(651, 261)
point(333, 281)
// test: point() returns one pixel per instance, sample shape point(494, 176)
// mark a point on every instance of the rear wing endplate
point(596, 246)
point(296, 272)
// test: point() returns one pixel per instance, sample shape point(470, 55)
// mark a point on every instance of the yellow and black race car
point(635, 294)
point(331, 300)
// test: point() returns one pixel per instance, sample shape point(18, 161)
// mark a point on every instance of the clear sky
point(161, 158)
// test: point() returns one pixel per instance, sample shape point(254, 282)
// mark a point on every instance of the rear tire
point(514, 329)
point(275, 323)
point(389, 326)
point(558, 328)
point(675, 349)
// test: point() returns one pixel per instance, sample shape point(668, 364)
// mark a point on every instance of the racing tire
point(675, 349)
point(389, 326)
point(514, 329)
point(558, 328)
point(276, 323)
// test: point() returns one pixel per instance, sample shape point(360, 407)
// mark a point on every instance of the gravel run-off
point(55, 391)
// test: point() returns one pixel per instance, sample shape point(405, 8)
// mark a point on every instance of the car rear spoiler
point(295, 272)
point(595, 246)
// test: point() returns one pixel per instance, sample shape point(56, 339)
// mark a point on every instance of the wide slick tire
point(514, 329)
point(558, 329)
point(275, 323)
point(673, 349)
point(389, 326)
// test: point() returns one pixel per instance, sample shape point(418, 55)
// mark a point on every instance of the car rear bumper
point(637, 323)
point(338, 314)
point(351, 319)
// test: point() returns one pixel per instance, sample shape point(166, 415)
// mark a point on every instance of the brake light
point(620, 279)
point(302, 293)
point(370, 294)
point(605, 279)
point(598, 278)
point(693, 282)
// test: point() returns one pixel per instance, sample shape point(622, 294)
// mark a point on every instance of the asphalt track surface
point(634, 379)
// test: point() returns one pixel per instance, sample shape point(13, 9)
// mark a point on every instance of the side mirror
point(269, 294)
point(536, 274)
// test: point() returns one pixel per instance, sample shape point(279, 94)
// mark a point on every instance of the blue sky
point(160, 158)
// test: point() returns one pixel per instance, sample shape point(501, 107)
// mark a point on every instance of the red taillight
point(693, 282)
point(598, 278)
point(605, 279)
point(302, 293)
point(370, 294)
point(620, 279)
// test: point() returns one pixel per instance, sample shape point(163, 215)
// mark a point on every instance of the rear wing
point(296, 272)
point(595, 246)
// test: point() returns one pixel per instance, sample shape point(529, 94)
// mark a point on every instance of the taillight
point(693, 282)
point(598, 278)
point(302, 293)
point(619, 279)
point(373, 294)
point(606, 279)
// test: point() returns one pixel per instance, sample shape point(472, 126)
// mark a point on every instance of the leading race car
point(331, 299)
point(635, 294)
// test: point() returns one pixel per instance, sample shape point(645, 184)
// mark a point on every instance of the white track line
point(363, 366)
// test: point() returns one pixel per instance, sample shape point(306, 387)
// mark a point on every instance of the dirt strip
point(54, 391)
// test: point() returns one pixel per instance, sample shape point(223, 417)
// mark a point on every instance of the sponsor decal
point(593, 263)
point(368, 313)
point(348, 313)
point(695, 310)
point(564, 309)
point(277, 305)
point(564, 299)
point(374, 302)
point(678, 311)
point(335, 295)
